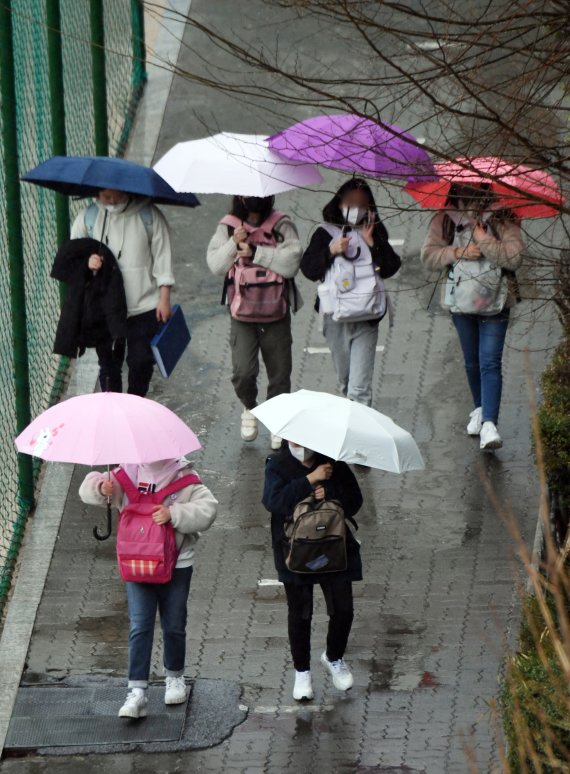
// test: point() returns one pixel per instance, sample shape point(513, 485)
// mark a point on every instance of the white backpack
point(474, 287)
point(352, 290)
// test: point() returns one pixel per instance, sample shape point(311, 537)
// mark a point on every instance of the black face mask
point(257, 204)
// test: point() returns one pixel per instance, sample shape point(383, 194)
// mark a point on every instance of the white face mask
point(300, 453)
point(115, 209)
point(354, 215)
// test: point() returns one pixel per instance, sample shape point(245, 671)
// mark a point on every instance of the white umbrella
point(341, 429)
point(227, 163)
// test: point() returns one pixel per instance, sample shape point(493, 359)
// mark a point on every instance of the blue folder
point(170, 342)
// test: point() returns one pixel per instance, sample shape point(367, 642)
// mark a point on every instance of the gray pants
point(353, 349)
point(274, 341)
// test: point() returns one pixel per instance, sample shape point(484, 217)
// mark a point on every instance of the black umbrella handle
point(357, 253)
point(352, 257)
point(100, 536)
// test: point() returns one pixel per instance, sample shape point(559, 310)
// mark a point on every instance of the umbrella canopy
point(502, 177)
point(87, 175)
point(106, 428)
point(341, 429)
point(236, 164)
point(354, 144)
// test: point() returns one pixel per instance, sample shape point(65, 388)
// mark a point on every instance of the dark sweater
point(286, 484)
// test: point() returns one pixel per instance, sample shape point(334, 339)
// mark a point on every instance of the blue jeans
point(171, 599)
point(482, 340)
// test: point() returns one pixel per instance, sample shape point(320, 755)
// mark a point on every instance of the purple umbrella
point(355, 144)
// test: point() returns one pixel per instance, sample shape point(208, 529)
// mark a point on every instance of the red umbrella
point(529, 192)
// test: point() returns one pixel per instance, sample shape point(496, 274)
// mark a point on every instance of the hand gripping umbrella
point(107, 428)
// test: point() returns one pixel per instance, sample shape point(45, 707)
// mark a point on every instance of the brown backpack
point(317, 537)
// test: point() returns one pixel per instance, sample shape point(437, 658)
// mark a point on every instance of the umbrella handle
point(352, 257)
point(99, 536)
point(344, 255)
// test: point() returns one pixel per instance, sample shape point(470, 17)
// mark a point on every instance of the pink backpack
point(256, 294)
point(146, 552)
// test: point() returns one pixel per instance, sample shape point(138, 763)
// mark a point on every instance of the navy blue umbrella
point(87, 175)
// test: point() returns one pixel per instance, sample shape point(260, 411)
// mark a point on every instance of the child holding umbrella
point(291, 475)
point(350, 256)
point(258, 237)
point(190, 510)
point(481, 247)
point(137, 234)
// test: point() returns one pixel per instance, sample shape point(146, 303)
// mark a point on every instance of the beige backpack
point(317, 537)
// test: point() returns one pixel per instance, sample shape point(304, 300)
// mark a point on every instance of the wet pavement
point(439, 600)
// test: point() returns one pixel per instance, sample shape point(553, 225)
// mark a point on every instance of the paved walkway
point(439, 597)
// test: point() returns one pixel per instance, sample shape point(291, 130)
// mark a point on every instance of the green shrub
point(534, 699)
point(554, 421)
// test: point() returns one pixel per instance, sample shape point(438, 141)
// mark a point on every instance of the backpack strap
point(448, 229)
point(512, 279)
point(352, 520)
point(89, 218)
point(147, 216)
point(191, 479)
point(129, 488)
point(268, 225)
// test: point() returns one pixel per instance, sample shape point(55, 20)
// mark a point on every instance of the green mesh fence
point(125, 77)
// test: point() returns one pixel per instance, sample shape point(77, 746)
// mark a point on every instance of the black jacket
point(286, 484)
point(317, 258)
point(95, 307)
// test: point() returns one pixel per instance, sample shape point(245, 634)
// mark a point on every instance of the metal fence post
point(57, 109)
point(15, 246)
point(99, 77)
point(138, 72)
point(139, 47)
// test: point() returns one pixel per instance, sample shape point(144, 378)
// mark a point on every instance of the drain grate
point(73, 717)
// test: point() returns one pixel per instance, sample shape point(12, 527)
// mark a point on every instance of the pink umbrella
point(529, 192)
point(106, 428)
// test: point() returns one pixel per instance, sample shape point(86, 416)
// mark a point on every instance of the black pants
point(338, 596)
point(274, 342)
point(140, 360)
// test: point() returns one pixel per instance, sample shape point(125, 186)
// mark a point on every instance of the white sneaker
point(275, 441)
point(248, 426)
point(135, 705)
point(474, 426)
point(303, 688)
point(490, 438)
point(176, 691)
point(341, 675)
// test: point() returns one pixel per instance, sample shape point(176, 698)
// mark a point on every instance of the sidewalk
point(439, 598)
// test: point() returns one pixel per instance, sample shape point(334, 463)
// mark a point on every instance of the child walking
point(258, 236)
point(291, 475)
point(191, 510)
point(137, 234)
